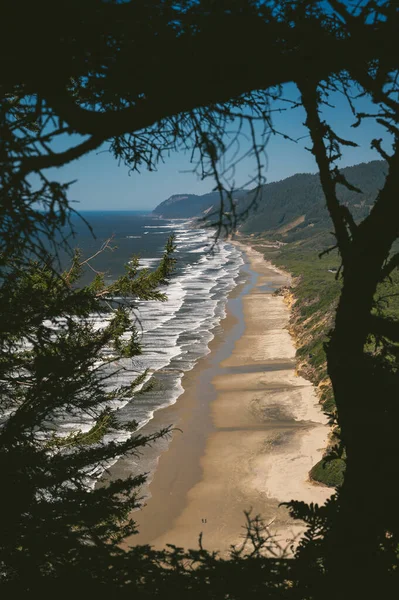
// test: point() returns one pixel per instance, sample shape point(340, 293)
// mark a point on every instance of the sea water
point(176, 333)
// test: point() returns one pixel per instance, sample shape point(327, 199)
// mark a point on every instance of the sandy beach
point(250, 430)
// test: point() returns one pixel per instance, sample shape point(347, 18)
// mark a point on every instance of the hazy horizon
point(182, 192)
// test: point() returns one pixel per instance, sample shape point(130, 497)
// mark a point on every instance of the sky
point(102, 184)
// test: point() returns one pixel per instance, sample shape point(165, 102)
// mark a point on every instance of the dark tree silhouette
point(55, 369)
point(150, 77)
point(366, 385)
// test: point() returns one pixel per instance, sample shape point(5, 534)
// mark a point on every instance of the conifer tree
point(58, 368)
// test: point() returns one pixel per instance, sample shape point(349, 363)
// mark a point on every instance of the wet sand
point(250, 430)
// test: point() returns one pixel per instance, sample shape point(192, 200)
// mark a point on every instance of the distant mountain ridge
point(185, 206)
point(291, 209)
point(295, 208)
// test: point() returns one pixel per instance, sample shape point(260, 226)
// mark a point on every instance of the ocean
point(174, 334)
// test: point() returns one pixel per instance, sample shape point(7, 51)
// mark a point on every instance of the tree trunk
point(367, 403)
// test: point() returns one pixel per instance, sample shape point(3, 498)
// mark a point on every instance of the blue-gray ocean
point(176, 333)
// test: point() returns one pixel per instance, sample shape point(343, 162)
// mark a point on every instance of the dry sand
point(251, 431)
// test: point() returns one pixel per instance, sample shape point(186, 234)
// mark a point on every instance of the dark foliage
point(112, 71)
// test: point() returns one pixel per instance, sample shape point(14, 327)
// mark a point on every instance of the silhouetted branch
point(349, 219)
point(340, 177)
point(328, 250)
point(377, 145)
point(317, 129)
point(382, 326)
point(338, 53)
point(58, 159)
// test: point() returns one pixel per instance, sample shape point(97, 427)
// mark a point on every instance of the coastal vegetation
point(149, 78)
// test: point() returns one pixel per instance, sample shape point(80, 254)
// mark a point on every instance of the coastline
point(250, 430)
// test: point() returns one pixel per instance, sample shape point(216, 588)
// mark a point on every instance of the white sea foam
point(174, 333)
point(146, 263)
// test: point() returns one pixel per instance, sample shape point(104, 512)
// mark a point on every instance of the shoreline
point(251, 430)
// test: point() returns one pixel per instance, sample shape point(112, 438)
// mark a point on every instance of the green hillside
point(291, 209)
point(294, 208)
